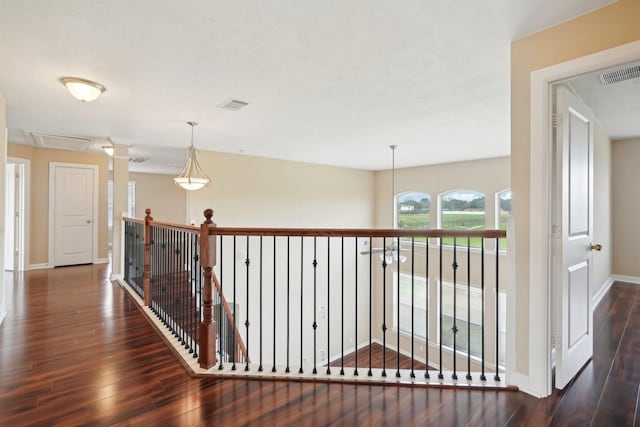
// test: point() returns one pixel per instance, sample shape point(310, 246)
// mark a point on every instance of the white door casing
point(573, 235)
point(73, 208)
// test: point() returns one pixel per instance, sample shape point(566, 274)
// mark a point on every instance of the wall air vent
point(233, 104)
point(138, 159)
point(60, 142)
point(620, 75)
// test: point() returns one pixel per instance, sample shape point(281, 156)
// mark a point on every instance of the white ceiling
point(332, 82)
point(616, 106)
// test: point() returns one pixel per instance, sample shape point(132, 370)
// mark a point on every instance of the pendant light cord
point(393, 185)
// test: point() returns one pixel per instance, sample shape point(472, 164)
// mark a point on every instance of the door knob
point(89, 222)
point(596, 247)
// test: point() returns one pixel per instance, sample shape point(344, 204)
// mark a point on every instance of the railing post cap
point(208, 214)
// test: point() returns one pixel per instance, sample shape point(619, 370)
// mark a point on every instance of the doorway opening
point(16, 215)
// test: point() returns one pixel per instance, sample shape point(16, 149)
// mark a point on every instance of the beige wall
point(39, 197)
point(260, 192)
point(167, 201)
point(626, 205)
point(611, 26)
point(3, 162)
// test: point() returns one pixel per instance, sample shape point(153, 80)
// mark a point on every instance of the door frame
point(25, 212)
point(52, 198)
point(541, 134)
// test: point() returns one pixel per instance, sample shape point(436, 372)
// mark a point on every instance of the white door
point(573, 234)
point(73, 214)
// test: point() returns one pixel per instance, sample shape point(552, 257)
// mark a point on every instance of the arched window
point(462, 210)
point(413, 210)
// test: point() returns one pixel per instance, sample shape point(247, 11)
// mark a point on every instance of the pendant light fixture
point(192, 176)
point(392, 252)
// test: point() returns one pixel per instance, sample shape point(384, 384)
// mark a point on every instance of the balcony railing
point(329, 304)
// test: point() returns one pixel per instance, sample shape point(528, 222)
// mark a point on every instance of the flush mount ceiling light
point(192, 177)
point(82, 89)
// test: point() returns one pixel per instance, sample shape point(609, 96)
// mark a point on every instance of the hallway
point(74, 349)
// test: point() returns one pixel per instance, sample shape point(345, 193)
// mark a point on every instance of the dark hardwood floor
point(75, 350)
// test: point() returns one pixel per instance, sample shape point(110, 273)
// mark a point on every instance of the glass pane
point(419, 304)
point(413, 210)
point(463, 210)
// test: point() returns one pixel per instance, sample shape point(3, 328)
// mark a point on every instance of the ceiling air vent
point(138, 159)
point(233, 104)
point(620, 75)
point(60, 142)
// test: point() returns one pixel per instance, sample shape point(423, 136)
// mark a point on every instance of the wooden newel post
point(207, 325)
point(146, 278)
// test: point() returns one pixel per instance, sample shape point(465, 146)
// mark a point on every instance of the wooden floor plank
point(74, 349)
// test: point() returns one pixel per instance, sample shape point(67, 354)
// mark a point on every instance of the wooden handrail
point(354, 232)
point(227, 310)
point(332, 232)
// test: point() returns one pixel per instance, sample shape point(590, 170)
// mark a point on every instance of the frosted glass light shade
point(82, 89)
point(192, 177)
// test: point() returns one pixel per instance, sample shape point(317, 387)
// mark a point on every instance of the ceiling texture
point(328, 82)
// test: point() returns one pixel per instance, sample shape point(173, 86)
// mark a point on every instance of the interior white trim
point(627, 279)
point(539, 227)
point(101, 261)
point(96, 197)
point(3, 315)
point(604, 288)
point(26, 214)
point(115, 277)
point(42, 266)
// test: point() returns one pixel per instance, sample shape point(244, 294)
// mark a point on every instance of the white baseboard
point(115, 277)
point(601, 293)
point(627, 279)
point(42, 266)
point(522, 382)
point(102, 261)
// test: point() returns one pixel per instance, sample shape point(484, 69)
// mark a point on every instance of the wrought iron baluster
point(287, 370)
point(413, 307)
point(247, 262)
point(260, 306)
point(397, 255)
point(273, 368)
point(369, 372)
point(328, 306)
point(222, 337)
point(482, 358)
point(301, 370)
point(355, 371)
point(468, 309)
point(426, 315)
point(315, 305)
point(497, 375)
point(440, 375)
point(342, 305)
point(454, 329)
point(234, 307)
point(384, 306)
